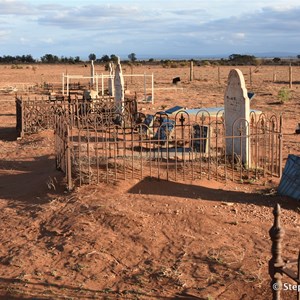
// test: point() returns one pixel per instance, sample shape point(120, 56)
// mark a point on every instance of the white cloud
point(175, 26)
point(239, 35)
point(24, 40)
point(47, 40)
point(4, 34)
point(12, 7)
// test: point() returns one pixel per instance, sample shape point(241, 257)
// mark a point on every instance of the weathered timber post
point(275, 74)
point(290, 76)
point(191, 70)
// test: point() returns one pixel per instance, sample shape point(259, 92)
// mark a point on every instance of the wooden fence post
point(191, 70)
point(274, 75)
point(290, 76)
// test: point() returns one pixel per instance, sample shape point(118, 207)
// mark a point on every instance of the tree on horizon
point(132, 57)
point(92, 56)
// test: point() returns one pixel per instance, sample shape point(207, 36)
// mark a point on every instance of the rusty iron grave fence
point(35, 115)
point(100, 145)
point(39, 114)
point(278, 267)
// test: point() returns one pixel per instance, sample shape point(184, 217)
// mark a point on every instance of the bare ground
point(144, 239)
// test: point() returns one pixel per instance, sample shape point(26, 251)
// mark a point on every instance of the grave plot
point(179, 148)
point(103, 153)
point(106, 138)
point(36, 115)
point(90, 97)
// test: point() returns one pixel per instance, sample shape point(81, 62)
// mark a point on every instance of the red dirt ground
point(144, 239)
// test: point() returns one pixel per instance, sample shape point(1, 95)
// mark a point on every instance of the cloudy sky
point(148, 28)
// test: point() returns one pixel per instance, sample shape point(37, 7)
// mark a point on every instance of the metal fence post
point(298, 275)
point(68, 160)
point(280, 146)
point(276, 262)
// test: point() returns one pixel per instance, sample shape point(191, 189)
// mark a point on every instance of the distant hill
point(213, 56)
point(276, 54)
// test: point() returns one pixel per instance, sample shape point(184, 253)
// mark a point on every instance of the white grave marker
point(237, 118)
point(92, 73)
point(119, 88)
point(111, 90)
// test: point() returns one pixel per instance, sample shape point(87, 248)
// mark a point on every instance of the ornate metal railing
point(278, 267)
point(123, 143)
point(36, 115)
point(105, 146)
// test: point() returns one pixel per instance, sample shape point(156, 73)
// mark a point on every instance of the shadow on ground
point(160, 187)
point(72, 292)
point(8, 134)
point(30, 181)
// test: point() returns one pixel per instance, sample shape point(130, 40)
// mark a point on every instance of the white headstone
point(119, 88)
point(92, 73)
point(237, 117)
point(111, 90)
